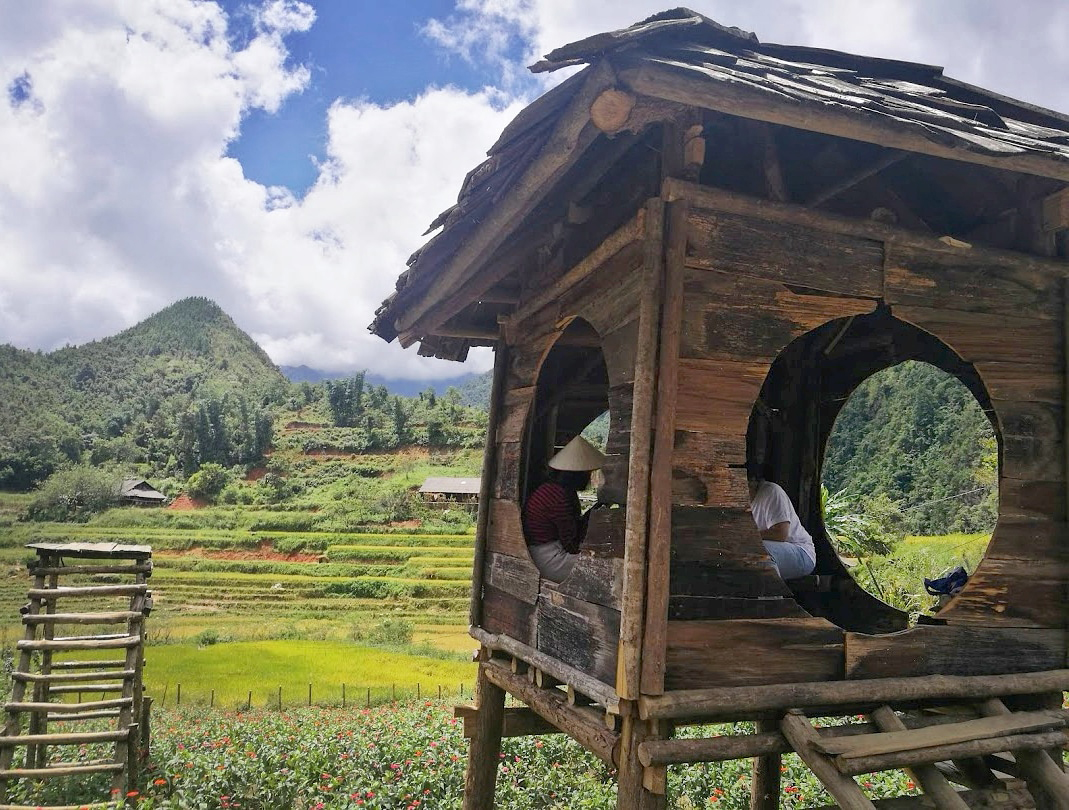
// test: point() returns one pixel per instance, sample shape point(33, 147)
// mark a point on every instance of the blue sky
point(284, 157)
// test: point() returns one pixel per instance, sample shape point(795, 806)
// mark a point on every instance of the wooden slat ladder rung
point(73, 738)
point(51, 594)
point(71, 770)
point(116, 663)
point(80, 643)
point(95, 715)
point(112, 617)
point(73, 677)
point(71, 708)
point(90, 688)
point(57, 766)
point(46, 570)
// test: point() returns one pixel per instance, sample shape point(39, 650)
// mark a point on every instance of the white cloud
point(117, 197)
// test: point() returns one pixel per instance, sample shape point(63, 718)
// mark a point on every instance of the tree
point(75, 494)
point(208, 481)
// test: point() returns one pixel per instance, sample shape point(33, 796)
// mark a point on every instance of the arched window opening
point(571, 399)
point(910, 480)
point(886, 443)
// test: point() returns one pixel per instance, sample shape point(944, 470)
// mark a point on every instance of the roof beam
point(572, 135)
point(737, 99)
point(860, 175)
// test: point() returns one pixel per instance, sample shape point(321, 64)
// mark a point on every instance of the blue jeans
point(791, 561)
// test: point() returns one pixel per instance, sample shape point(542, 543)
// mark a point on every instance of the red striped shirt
point(552, 513)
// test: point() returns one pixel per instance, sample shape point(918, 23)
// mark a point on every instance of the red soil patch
point(256, 473)
point(183, 503)
point(264, 552)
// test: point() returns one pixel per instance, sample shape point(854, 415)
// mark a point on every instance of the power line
point(947, 498)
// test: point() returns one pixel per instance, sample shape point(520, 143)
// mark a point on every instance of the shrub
point(390, 633)
point(74, 494)
point(208, 481)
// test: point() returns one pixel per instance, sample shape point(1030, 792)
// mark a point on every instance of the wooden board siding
point(504, 613)
point(934, 650)
point(579, 633)
point(752, 651)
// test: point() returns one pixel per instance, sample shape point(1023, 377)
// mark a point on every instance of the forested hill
point(184, 382)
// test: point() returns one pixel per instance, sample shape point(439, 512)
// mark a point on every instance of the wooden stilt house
point(716, 240)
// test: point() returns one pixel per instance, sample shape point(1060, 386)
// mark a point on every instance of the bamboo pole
point(929, 778)
point(482, 524)
point(801, 734)
point(746, 701)
point(636, 526)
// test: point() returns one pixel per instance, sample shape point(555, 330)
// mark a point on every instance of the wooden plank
point(970, 335)
point(708, 470)
point(668, 384)
point(761, 651)
point(507, 475)
point(1011, 593)
point(516, 576)
point(609, 298)
point(518, 721)
point(505, 529)
point(735, 98)
point(1055, 211)
point(484, 750)
point(605, 533)
point(620, 347)
point(712, 534)
point(1032, 440)
point(598, 580)
point(953, 650)
point(633, 601)
point(957, 281)
point(732, 317)
point(1022, 382)
point(516, 407)
point(783, 252)
point(581, 635)
point(1031, 500)
point(689, 608)
point(749, 700)
point(1040, 768)
point(1003, 797)
point(505, 614)
point(1018, 539)
point(717, 396)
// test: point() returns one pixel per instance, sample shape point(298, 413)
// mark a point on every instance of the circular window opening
point(909, 489)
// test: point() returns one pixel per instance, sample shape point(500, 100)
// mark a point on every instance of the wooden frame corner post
point(483, 753)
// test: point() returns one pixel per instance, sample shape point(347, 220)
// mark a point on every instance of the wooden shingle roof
point(683, 57)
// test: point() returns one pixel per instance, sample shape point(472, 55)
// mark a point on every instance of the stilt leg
point(764, 788)
point(483, 754)
point(631, 794)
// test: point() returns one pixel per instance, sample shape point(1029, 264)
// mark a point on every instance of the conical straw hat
point(578, 455)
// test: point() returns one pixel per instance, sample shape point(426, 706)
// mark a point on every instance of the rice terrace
point(762, 505)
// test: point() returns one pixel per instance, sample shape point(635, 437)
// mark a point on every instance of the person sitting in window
point(553, 523)
point(785, 539)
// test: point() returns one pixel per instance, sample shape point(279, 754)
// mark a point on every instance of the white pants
point(792, 561)
point(552, 560)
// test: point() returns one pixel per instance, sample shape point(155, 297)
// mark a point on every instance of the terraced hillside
point(244, 584)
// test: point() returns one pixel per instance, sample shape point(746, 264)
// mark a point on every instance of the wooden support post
point(481, 776)
point(1038, 768)
point(765, 785)
point(632, 601)
point(497, 395)
point(801, 735)
point(146, 726)
point(930, 779)
point(632, 793)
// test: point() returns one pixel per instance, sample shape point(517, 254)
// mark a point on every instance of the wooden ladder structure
point(969, 751)
point(109, 591)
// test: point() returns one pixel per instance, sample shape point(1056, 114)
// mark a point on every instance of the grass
point(225, 667)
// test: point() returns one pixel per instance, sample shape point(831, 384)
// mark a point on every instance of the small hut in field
point(716, 240)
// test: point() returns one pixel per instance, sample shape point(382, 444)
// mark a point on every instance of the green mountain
point(182, 387)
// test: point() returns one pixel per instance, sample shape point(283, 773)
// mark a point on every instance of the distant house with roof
point(450, 491)
point(139, 492)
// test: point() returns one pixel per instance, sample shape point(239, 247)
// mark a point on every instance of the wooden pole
point(636, 527)
point(927, 775)
point(211, 700)
point(343, 695)
point(309, 694)
point(486, 488)
point(765, 784)
point(746, 701)
point(659, 546)
point(280, 698)
point(248, 704)
point(178, 695)
point(801, 734)
point(1037, 767)
point(481, 775)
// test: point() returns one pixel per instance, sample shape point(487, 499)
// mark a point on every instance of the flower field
point(405, 756)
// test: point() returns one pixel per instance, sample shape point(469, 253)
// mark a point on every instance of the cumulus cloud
point(117, 196)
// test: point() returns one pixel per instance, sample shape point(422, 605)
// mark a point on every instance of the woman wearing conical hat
point(553, 523)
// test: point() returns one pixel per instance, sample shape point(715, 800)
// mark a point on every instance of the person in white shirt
point(785, 539)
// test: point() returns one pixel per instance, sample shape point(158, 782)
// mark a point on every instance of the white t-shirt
point(771, 506)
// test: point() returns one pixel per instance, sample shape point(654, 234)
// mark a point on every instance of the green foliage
point(208, 481)
point(860, 527)
point(387, 633)
point(75, 494)
point(917, 436)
